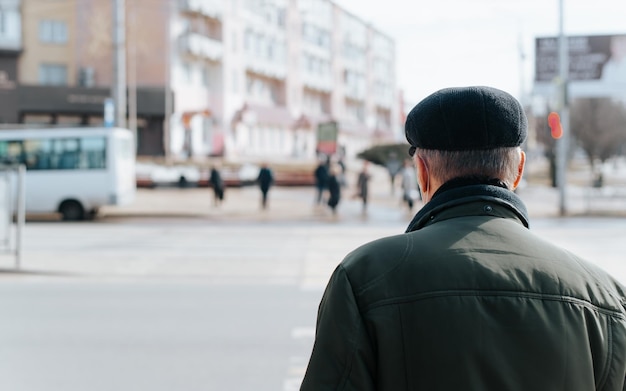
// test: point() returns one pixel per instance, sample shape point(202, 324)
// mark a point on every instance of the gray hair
point(498, 163)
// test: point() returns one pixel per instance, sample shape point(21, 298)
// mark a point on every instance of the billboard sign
point(327, 137)
point(591, 58)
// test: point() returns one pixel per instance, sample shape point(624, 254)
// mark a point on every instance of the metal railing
point(12, 210)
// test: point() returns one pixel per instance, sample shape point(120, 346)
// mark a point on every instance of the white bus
point(72, 171)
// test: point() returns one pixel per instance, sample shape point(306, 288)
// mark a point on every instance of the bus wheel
point(71, 210)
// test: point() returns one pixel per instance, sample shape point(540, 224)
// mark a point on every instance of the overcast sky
point(443, 43)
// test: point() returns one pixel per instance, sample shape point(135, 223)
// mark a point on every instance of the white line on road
point(303, 332)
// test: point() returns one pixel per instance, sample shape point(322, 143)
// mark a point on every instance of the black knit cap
point(466, 118)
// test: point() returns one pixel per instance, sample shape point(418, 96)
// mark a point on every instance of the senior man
point(468, 298)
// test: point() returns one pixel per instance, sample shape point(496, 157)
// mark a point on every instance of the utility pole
point(522, 59)
point(168, 87)
point(131, 44)
point(563, 142)
point(119, 62)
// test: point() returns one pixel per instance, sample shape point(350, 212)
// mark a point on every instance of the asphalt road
point(195, 302)
point(159, 336)
point(166, 304)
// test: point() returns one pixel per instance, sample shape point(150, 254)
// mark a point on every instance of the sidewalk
point(297, 204)
point(286, 203)
point(244, 204)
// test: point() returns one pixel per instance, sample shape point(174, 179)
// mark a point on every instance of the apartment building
point(10, 49)
point(244, 79)
point(64, 66)
point(253, 79)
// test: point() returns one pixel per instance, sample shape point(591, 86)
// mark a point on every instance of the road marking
point(303, 332)
point(298, 364)
point(313, 285)
point(295, 373)
point(292, 384)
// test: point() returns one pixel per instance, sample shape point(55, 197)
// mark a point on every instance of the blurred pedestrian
point(334, 189)
point(321, 179)
point(265, 181)
point(215, 179)
point(410, 189)
point(343, 181)
point(468, 298)
point(362, 185)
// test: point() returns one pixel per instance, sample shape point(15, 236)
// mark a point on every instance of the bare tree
point(599, 126)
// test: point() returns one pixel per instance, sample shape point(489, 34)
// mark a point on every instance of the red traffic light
point(554, 121)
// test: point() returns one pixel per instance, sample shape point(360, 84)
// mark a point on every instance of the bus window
point(11, 152)
point(69, 153)
point(32, 153)
point(42, 148)
point(56, 154)
point(93, 153)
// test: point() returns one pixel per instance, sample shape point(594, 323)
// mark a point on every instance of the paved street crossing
point(190, 303)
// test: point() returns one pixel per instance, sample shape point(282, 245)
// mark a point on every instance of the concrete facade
point(248, 79)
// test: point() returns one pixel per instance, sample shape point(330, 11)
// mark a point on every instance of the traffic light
point(554, 121)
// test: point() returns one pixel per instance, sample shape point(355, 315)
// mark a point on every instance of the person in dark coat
point(215, 179)
point(265, 181)
point(362, 184)
point(468, 298)
point(321, 180)
point(334, 189)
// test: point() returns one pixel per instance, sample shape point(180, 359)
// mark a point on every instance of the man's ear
point(422, 174)
point(520, 170)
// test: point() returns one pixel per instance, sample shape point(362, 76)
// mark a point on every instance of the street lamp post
point(119, 84)
point(132, 74)
point(169, 104)
point(563, 142)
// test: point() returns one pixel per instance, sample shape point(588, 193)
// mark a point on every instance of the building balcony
point(202, 46)
point(264, 67)
point(318, 82)
point(384, 101)
point(10, 44)
point(316, 50)
point(356, 65)
point(355, 93)
point(11, 25)
point(210, 8)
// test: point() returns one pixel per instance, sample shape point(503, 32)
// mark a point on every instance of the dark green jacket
point(469, 299)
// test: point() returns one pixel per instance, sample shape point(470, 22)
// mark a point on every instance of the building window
point(2, 21)
point(316, 35)
point(52, 74)
point(281, 17)
point(206, 76)
point(270, 50)
point(52, 31)
point(187, 73)
point(235, 82)
point(248, 41)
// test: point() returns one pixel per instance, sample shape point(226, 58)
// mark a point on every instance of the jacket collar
point(463, 190)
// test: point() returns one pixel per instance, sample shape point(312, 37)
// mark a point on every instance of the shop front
point(79, 106)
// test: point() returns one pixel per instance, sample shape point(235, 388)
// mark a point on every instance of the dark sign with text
point(595, 57)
